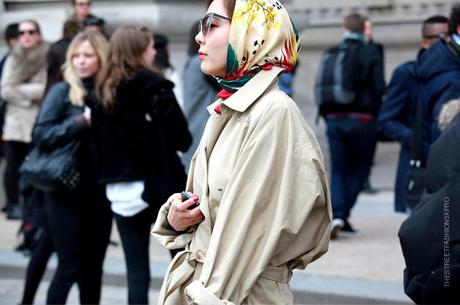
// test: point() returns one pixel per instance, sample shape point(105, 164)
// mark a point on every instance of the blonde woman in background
point(79, 220)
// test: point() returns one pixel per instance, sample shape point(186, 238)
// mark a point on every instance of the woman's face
point(214, 44)
point(29, 37)
point(81, 8)
point(85, 60)
point(149, 54)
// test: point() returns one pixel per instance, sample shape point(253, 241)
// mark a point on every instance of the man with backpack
point(349, 84)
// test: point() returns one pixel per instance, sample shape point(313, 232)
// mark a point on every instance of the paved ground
point(10, 294)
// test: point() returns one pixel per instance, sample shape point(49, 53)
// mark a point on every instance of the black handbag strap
point(416, 151)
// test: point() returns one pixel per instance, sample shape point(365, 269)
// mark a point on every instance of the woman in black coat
point(139, 127)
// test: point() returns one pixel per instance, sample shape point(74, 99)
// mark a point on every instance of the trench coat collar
point(249, 93)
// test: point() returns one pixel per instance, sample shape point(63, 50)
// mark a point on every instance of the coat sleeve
point(53, 127)
point(32, 91)
point(275, 210)
point(394, 105)
point(22, 95)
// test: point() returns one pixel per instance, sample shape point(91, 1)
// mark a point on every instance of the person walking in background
point(79, 220)
point(439, 71)
point(350, 115)
point(22, 87)
point(200, 91)
point(396, 117)
point(163, 64)
point(11, 35)
point(139, 128)
point(258, 174)
point(82, 12)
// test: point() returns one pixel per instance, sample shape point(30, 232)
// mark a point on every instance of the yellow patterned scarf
point(262, 35)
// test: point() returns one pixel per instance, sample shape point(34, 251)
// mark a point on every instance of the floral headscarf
point(262, 35)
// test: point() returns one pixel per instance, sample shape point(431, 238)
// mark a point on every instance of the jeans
point(351, 146)
point(135, 237)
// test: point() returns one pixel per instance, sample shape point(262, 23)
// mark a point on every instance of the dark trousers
point(80, 224)
point(135, 237)
point(351, 146)
point(42, 249)
point(401, 178)
point(37, 265)
point(15, 152)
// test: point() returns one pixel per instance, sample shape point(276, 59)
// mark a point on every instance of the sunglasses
point(83, 3)
point(30, 32)
point(442, 35)
point(206, 22)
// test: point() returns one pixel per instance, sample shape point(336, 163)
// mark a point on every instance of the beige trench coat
point(264, 193)
point(23, 101)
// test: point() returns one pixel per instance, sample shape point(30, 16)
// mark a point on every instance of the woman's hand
point(180, 218)
point(87, 115)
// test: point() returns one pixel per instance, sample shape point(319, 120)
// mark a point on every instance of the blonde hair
point(77, 91)
point(448, 112)
point(127, 46)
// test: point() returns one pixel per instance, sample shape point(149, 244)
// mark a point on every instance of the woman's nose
point(80, 61)
point(199, 38)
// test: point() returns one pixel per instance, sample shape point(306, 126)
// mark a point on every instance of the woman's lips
point(201, 55)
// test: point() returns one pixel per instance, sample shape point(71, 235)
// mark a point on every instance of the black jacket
point(59, 122)
point(430, 237)
point(439, 71)
point(139, 138)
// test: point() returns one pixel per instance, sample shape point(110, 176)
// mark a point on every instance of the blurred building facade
point(396, 24)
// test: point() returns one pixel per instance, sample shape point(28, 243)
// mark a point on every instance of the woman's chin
point(206, 69)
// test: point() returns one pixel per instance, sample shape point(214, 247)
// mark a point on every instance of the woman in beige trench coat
point(258, 172)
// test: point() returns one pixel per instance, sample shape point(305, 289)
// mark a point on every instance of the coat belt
point(183, 266)
point(278, 274)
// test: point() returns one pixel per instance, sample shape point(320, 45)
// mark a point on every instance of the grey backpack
point(338, 76)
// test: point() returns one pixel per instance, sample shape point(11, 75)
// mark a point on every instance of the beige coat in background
point(23, 85)
point(260, 173)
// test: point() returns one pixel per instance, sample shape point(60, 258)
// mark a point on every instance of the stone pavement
point(364, 268)
point(10, 293)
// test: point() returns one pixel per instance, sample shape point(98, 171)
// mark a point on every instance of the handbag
point(52, 169)
point(415, 185)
